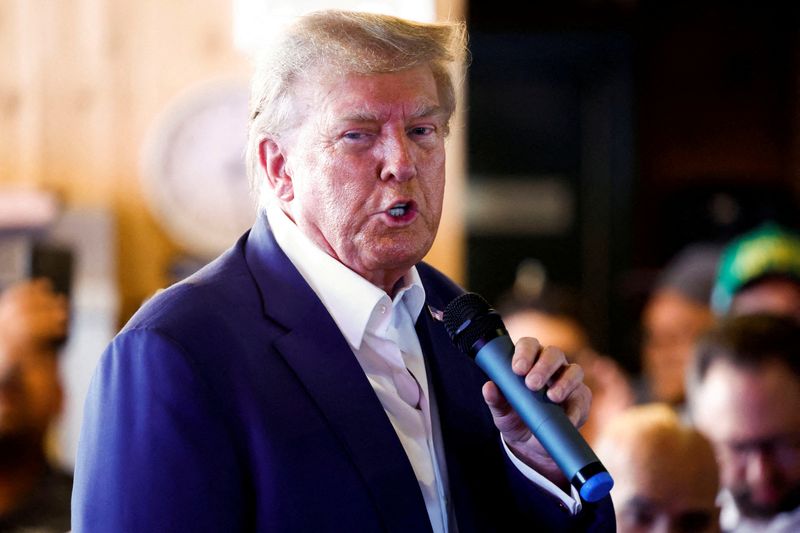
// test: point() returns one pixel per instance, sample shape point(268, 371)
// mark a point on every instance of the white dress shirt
point(380, 331)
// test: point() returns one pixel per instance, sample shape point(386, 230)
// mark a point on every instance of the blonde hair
point(643, 435)
point(345, 42)
point(654, 421)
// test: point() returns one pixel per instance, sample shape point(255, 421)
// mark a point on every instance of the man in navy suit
point(301, 382)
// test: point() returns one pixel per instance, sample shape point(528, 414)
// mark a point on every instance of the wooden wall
point(81, 81)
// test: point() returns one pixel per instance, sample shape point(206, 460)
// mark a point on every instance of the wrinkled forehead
point(331, 95)
point(677, 493)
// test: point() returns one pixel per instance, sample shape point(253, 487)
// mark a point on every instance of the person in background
point(675, 314)
point(760, 272)
point(532, 307)
point(744, 395)
point(304, 381)
point(34, 494)
point(664, 470)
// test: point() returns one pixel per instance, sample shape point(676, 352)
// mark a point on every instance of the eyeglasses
point(783, 450)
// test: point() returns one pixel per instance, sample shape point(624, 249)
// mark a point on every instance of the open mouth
point(398, 210)
point(402, 211)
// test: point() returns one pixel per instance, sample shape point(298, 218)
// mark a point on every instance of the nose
point(398, 158)
point(761, 471)
point(661, 524)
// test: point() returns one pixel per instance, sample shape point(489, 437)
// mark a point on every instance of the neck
point(390, 282)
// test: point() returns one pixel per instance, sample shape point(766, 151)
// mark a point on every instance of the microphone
point(478, 331)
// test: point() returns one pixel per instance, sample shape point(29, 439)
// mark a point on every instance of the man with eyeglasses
point(744, 395)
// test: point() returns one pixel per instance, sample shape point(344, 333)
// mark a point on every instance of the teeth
point(398, 210)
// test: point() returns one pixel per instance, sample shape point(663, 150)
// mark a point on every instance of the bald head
point(665, 472)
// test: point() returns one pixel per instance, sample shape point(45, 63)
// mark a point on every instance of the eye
point(643, 518)
point(421, 131)
point(354, 135)
point(637, 517)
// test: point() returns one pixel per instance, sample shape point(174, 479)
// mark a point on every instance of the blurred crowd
point(707, 436)
point(34, 492)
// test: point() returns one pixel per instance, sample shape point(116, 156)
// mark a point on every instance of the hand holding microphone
point(565, 388)
point(479, 332)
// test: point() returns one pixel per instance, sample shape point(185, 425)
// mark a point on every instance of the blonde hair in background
point(642, 434)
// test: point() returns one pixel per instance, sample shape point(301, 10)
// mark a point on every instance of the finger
point(58, 322)
point(46, 299)
point(526, 352)
point(577, 405)
point(550, 360)
point(505, 418)
point(564, 382)
point(41, 282)
point(36, 288)
point(497, 403)
point(46, 290)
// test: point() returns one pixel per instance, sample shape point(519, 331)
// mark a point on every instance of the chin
point(766, 510)
point(397, 261)
point(401, 250)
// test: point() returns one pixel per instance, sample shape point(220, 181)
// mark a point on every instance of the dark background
point(667, 123)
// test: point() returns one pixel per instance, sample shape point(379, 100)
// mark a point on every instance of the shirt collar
point(350, 299)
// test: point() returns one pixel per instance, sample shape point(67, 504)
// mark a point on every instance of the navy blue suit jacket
point(231, 402)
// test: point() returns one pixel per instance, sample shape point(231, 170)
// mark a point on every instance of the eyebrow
point(421, 111)
point(769, 440)
point(639, 502)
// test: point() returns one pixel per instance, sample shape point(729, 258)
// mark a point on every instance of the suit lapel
point(323, 361)
point(471, 444)
point(452, 395)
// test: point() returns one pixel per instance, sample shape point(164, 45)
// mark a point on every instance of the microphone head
point(468, 318)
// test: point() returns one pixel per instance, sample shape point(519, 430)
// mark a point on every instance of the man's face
point(752, 418)
point(550, 330)
point(362, 172)
point(663, 488)
point(30, 392)
point(675, 514)
point(672, 324)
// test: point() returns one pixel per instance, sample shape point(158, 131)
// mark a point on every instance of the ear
point(273, 161)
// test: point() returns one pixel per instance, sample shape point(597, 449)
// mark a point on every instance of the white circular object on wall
point(193, 168)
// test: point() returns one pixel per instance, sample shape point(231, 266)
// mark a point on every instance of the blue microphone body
point(483, 337)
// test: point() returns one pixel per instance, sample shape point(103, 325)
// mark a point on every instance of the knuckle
point(530, 346)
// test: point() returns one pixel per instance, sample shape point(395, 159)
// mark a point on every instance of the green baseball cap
point(767, 250)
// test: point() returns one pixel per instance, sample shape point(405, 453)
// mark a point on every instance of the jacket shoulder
point(222, 288)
